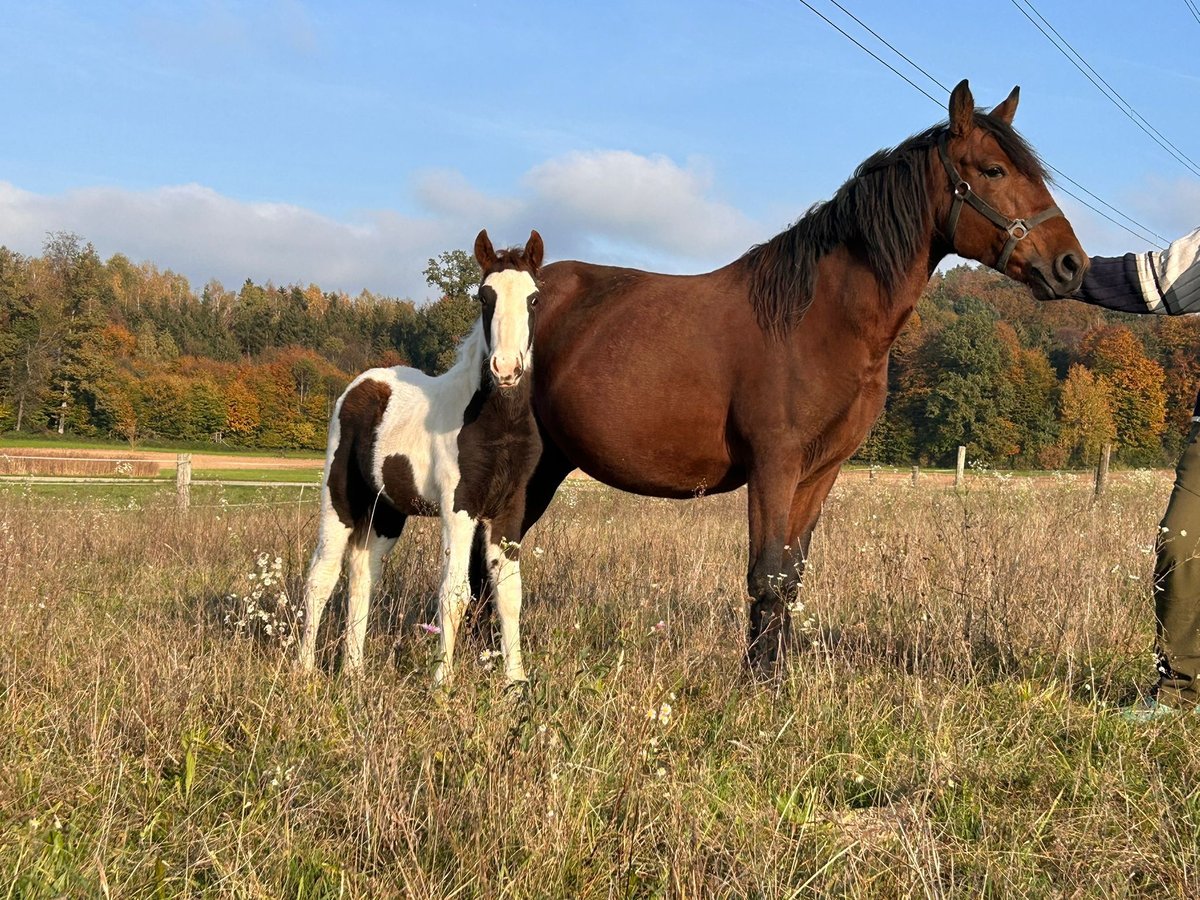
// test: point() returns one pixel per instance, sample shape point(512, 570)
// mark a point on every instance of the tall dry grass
point(945, 730)
point(59, 462)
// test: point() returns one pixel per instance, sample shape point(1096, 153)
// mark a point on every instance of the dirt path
point(167, 458)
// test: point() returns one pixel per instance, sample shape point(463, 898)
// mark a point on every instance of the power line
point(864, 48)
point(888, 44)
point(1156, 239)
point(1113, 90)
point(1192, 9)
point(1103, 87)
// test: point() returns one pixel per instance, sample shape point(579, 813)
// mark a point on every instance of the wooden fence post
point(916, 474)
point(183, 480)
point(1102, 470)
point(962, 464)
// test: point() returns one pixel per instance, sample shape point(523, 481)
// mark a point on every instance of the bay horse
point(461, 446)
point(769, 371)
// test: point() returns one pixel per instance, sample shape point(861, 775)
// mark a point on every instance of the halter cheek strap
point(1017, 229)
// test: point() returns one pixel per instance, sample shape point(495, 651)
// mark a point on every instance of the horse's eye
point(533, 299)
point(993, 172)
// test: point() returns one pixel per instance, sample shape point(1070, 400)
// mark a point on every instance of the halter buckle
point(962, 190)
point(1018, 229)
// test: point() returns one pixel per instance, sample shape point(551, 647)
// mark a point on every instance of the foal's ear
point(534, 249)
point(1006, 110)
point(485, 254)
point(962, 109)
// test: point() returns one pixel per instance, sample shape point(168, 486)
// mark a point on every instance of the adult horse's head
point(509, 296)
point(997, 209)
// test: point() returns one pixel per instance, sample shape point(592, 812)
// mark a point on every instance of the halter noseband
point(1016, 229)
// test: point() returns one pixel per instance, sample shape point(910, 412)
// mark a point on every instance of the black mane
point(880, 213)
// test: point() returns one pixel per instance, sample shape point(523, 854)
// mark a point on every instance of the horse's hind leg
point(323, 571)
point(367, 554)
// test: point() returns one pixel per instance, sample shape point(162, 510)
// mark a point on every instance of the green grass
point(947, 727)
point(299, 476)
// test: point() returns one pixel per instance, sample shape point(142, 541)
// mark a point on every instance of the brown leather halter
point(1016, 229)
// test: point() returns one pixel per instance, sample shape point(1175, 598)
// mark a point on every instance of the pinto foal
point(462, 445)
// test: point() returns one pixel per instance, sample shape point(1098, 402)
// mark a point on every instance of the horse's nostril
point(1067, 266)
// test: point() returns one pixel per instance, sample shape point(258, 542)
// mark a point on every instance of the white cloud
point(623, 197)
point(609, 206)
point(203, 234)
point(606, 206)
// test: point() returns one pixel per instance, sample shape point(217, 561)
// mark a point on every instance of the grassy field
point(946, 729)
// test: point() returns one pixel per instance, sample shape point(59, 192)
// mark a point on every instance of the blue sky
point(345, 143)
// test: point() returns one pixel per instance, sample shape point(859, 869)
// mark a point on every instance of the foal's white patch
point(511, 353)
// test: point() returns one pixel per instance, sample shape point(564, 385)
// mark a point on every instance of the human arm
point(1163, 282)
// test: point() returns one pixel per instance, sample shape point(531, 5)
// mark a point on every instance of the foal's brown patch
point(400, 485)
point(354, 499)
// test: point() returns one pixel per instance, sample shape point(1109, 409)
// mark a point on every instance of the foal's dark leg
point(481, 610)
point(551, 469)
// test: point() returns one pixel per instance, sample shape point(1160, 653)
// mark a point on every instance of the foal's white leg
point(366, 565)
point(458, 529)
point(506, 582)
point(323, 571)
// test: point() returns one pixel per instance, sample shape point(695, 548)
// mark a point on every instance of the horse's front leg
point(504, 569)
point(769, 497)
point(783, 514)
point(457, 531)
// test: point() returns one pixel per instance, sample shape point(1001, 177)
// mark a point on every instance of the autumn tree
point(433, 342)
point(1085, 416)
point(1137, 392)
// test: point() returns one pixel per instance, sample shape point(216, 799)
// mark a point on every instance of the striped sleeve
point(1163, 283)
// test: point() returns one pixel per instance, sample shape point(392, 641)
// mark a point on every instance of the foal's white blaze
point(511, 353)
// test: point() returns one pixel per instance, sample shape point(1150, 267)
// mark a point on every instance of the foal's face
point(508, 300)
point(508, 295)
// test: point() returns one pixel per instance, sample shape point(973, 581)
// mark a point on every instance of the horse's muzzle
point(1059, 278)
point(507, 373)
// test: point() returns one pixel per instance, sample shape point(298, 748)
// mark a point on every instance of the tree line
point(114, 349)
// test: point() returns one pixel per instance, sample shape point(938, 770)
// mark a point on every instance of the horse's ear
point(1006, 110)
point(534, 249)
point(485, 254)
point(962, 109)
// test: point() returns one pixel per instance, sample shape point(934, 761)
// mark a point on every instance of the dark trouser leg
point(1177, 584)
